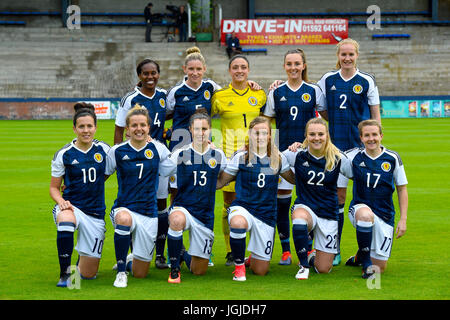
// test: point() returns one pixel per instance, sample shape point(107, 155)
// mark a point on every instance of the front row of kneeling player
point(86, 163)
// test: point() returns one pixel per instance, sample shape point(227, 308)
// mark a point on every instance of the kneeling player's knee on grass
point(88, 273)
point(177, 221)
point(123, 218)
point(238, 222)
point(260, 271)
point(198, 271)
point(380, 265)
point(323, 269)
point(364, 214)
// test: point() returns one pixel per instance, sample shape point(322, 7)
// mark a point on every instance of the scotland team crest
point(386, 166)
point(162, 103)
point(306, 97)
point(98, 157)
point(357, 88)
point(212, 163)
point(207, 94)
point(252, 101)
point(148, 154)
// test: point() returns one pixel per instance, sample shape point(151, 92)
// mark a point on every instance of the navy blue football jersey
point(137, 174)
point(257, 185)
point(316, 187)
point(156, 106)
point(292, 109)
point(374, 181)
point(183, 101)
point(347, 104)
point(196, 181)
point(84, 176)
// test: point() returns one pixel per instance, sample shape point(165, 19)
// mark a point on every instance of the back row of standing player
point(352, 92)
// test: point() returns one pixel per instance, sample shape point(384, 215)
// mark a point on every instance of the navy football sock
point(340, 226)
point(310, 240)
point(364, 238)
point(300, 237)
point(283, 206)
point(237, 244)
point(163, 227)
point(174, 245)
point(121, 245)
point(64, 244)
point(187, 259)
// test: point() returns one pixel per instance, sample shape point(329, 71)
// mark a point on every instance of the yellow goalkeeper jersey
point(236, 108)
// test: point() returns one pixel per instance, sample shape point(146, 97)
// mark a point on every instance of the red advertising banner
point(285, 31)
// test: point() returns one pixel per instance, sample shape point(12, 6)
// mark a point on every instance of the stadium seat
point(30, 13)
point(115, 23)
point(406, 22)
point(2, 22)
point(391, 36)
point(254, 50)
point(339, 14)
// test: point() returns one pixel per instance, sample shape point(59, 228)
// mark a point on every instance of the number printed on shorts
point(208, 246)
point(386, 244)
point(98, 245)
point(268, 249)
point(332, 243)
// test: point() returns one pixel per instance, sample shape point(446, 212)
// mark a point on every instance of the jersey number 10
point(89, 175)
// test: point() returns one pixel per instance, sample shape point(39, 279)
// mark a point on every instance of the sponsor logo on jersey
point(283, 98)
point(252, 101)
point(305, 164)
point(185, 99)
point(75, 161)
point(386, 166)
point(212, 163)
point(333, 87)
point(357, 88)
point(148, 154)
point(162, 103)
point(362, 164)
point(207, 94)
point(98, 157)
point(306, 97)
point(125, 157)
point(230, 104)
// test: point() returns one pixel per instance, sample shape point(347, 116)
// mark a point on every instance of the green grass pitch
point(29, 267)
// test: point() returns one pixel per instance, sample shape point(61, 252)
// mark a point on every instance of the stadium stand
point(100, 61)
